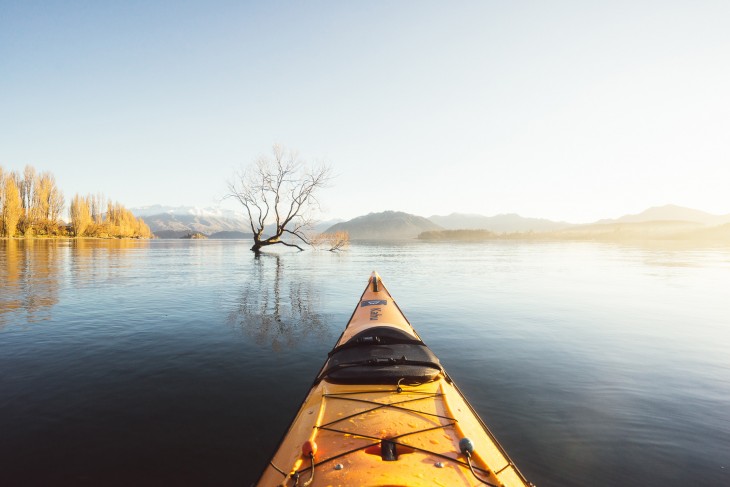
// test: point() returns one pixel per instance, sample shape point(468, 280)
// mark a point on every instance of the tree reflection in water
point(275, 311)
point(29, 277)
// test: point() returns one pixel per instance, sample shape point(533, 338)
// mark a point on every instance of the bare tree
point(281, 192)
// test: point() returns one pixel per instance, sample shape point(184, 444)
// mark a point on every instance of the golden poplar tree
point(80, 215)
point(31, 203)
point(143, 231)
point(12, 207)
point(27, 183)
point(56, 203)
point(39, 203)
point(2, 192)
point(2, 199)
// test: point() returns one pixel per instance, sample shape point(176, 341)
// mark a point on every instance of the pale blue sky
point(566, 110)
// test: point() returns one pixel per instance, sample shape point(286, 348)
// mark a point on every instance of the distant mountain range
point(181, 221)
point(665, 220)
point(672, 213)
point(177, 222)
point(190, 223)
point(400, 225)
point(510, 222)
point(187, 219)
point(385, 225)
point(154, 210)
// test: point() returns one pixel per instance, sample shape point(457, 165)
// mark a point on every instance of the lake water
point(182, 362)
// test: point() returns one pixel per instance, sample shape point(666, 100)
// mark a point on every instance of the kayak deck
point(382, 411)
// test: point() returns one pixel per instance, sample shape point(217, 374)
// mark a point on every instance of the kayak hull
point(371, 427)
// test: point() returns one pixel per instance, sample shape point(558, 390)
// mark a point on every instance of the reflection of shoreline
point(95, 261)
point(276, 312)
point(29, 273)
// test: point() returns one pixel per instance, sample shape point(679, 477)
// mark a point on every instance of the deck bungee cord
point(309, 448)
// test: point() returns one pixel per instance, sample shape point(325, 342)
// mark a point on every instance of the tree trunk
point(257, 246)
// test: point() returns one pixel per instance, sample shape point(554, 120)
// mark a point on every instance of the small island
point(196, 236)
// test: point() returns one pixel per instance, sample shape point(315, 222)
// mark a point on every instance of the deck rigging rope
point(311, 476)
point(380, 405)
point(395, 405)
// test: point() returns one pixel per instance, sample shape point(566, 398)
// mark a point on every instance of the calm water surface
point(182, 362)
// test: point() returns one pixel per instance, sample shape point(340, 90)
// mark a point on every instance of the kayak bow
point(383, 411)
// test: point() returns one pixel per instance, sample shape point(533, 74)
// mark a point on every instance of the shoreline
point(66, 237)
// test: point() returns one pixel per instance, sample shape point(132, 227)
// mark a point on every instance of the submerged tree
point(280, 192)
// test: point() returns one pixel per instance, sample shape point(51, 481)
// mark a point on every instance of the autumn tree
point(281, 193)
point(41, 201)
point(31, 203)
point(37, 212)
point(80, 215)
point(56, 204)
point(117, 222)
point(27, 184)
point(48, 203)
point(142, 230)
point(96, 205)
point(333, 242)
point(11, 208)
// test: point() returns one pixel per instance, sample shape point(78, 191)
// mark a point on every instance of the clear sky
point(565, 110)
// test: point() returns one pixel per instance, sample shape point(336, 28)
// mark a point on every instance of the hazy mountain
point(505, 223)
point(385, 225)
point(672, 213)
point(653, 229)
point(206, 224)
point(176, 222)
point(213, 211)
point(657, 232)
point(509, 223)
point(322, 227)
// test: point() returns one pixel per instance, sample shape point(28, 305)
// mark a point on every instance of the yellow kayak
point(383, 412)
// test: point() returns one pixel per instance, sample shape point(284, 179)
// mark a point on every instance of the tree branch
point(283, 187)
